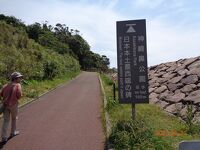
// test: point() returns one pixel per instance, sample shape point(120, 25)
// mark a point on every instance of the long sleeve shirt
point(11, 93)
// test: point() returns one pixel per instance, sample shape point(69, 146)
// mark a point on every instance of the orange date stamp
point(168, 133)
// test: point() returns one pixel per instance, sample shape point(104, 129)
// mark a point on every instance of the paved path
point(67, 118)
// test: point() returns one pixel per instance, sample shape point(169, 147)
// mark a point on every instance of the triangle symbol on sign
point(130, 30)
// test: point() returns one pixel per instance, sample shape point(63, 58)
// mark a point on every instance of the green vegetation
point(192, 127)
point(47, 56)
point(35, 62)
point(128, 134)
point(152, 129)
point(60, 39)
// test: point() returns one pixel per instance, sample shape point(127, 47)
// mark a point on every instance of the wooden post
point(133, 111)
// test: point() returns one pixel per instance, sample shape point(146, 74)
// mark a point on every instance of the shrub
point(135, 134)
point(50, 70)
point(192, 128)
point(111, 103)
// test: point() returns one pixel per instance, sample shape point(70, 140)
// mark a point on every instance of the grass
point(33, 89)
point(155, 128)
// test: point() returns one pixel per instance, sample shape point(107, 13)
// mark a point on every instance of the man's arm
point(1, 92)
point(19, 91)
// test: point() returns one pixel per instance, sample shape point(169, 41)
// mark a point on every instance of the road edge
point(107, 117)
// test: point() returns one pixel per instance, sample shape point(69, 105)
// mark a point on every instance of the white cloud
point(160, 4)
point(148, 3)
point(170, 43)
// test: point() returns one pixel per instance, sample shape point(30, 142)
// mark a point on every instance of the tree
point(61, 40)
point(80, 48)
point(47, 27)
point(105, 60)
point(12, 21)
point(62, 32)
point(77, 32)
point(34, 31)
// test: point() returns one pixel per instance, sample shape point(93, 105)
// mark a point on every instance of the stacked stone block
point(174, 85)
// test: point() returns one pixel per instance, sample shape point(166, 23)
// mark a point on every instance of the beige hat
point(15, 75)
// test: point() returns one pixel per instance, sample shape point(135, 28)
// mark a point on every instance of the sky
point(173, 26)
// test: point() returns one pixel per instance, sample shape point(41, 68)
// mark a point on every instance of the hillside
point(19, 53)
point(41, 51)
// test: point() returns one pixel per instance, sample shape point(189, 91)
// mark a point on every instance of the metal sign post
point(132, 62)
point(133, 112)
point(114, 95)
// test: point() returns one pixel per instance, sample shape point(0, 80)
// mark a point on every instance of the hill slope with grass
point(61, 39)
point(42, 67)
point(35, 62)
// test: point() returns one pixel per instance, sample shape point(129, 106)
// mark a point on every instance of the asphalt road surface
point(67, 118)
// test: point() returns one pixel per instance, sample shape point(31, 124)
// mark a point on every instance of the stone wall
point(173, 85)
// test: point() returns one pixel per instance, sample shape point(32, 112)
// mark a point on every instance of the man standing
point(11, 93)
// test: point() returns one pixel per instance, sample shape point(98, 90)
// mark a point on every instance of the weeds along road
point(67, 118)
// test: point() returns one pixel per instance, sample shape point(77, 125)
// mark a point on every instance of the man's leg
point(14, 113)
point(6, 120)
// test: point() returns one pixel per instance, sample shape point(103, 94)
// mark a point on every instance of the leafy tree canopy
point(62, 40)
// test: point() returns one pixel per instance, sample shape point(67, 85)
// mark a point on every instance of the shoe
point(14, 134)
point(4, 141)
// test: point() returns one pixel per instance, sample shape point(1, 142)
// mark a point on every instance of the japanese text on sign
point(132, 61)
